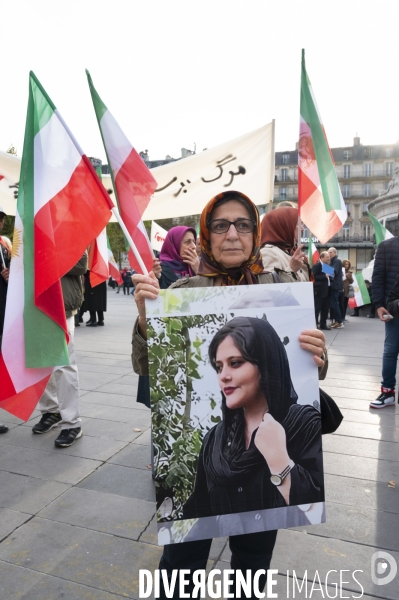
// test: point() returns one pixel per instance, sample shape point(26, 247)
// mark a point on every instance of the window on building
point(363, 257)
point(295, 174)
point(283, 193)
point(365, 207)
point(343, 253)
point(367, 189)
point(348, 208)
point(347, 171)
point(388, 152)
point(284, 174)
point(346, 192)
point(347, 155)
point(386, 184)
point(286, 159)
point(389, 169)
point(345, 233)
point(366, 233)
point(367, 153)
point(367, 169)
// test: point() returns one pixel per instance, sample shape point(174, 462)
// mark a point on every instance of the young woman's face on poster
point(239, 379)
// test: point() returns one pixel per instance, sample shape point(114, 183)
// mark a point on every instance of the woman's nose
point(224, 374)
point(232, 232)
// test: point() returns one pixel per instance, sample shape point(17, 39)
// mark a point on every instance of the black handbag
point(331, 416)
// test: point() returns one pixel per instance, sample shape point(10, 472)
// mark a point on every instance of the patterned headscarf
point(245, 274)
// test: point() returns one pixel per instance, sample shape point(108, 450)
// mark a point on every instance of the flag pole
point(129, 239)
point(2, 257)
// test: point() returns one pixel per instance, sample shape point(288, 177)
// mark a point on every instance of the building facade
point(364, 172)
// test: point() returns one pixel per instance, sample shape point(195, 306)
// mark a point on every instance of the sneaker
point(68, 437)
point(47, 422)
point(337, 325)
point(3, 428)
point(90, 324)
point(383, 400)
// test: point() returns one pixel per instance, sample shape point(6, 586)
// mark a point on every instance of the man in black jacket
point(386, 269)
point(336, 286)
point(321, 290)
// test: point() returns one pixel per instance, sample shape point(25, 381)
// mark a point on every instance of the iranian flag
point(381, 233)
point(113, 267)
point(362, 295)
point(61, 208)
point(132, 180)
point(320, 203)
point(313, 254)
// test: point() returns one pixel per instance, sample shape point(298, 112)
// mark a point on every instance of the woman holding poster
point(230, 243)
point(266, 452)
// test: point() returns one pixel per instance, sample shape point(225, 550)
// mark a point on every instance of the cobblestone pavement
point(79, 523)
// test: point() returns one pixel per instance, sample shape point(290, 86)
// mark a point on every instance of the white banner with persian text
point(245, 164)
point(158, 235)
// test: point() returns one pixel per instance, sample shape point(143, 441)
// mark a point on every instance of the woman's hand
point(147, 287)
point(189, 256)
point(297, 259)
point(314, 341)
point(271, 441)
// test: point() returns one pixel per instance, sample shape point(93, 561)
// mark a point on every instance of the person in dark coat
point(95, 299)
point(337, 286)
point(385, 273)
point(321, 290)
point(266, 452)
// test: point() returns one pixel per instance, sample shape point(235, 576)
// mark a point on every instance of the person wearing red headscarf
point(279, 243)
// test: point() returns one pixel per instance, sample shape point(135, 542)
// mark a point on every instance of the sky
point(179, 73)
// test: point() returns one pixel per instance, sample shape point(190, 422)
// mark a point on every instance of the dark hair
point(229, 197)
point(260, 345)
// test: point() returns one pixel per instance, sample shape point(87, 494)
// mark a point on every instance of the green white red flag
point(313, 254)
point(61, 208)
point(112, 265)
point(380, 232)
point(132, 180)
point(320, 203)
point(362, 295)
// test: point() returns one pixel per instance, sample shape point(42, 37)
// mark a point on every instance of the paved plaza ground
point(78, 523)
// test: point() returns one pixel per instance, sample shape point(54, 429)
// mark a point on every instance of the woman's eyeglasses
point(223, 225)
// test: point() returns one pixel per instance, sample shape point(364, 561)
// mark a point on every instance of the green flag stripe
point(379, 229)
point(99, 105)
point(327, 174)
point(363, 288)
point(43, 107)
point(45, 344)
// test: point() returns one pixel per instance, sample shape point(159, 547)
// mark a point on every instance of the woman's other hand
point(147, 288)
point(156, 268)
point(189, 256)
point(314, 341)
point(297, 259)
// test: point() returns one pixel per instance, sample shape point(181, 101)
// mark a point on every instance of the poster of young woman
point(235, 411)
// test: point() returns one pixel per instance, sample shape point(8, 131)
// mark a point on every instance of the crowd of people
point(234, 247)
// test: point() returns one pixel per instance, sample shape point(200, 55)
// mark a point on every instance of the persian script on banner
point(245, 164)
point(204, 348)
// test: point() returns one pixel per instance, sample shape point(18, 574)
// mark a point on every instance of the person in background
point(279, 243)
point(336, 287)
point(127, 280)
point(95, 301)
point(178, 255)
point(321, 290)
point(5, 259)
point(347, 281)
point(385, 272)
